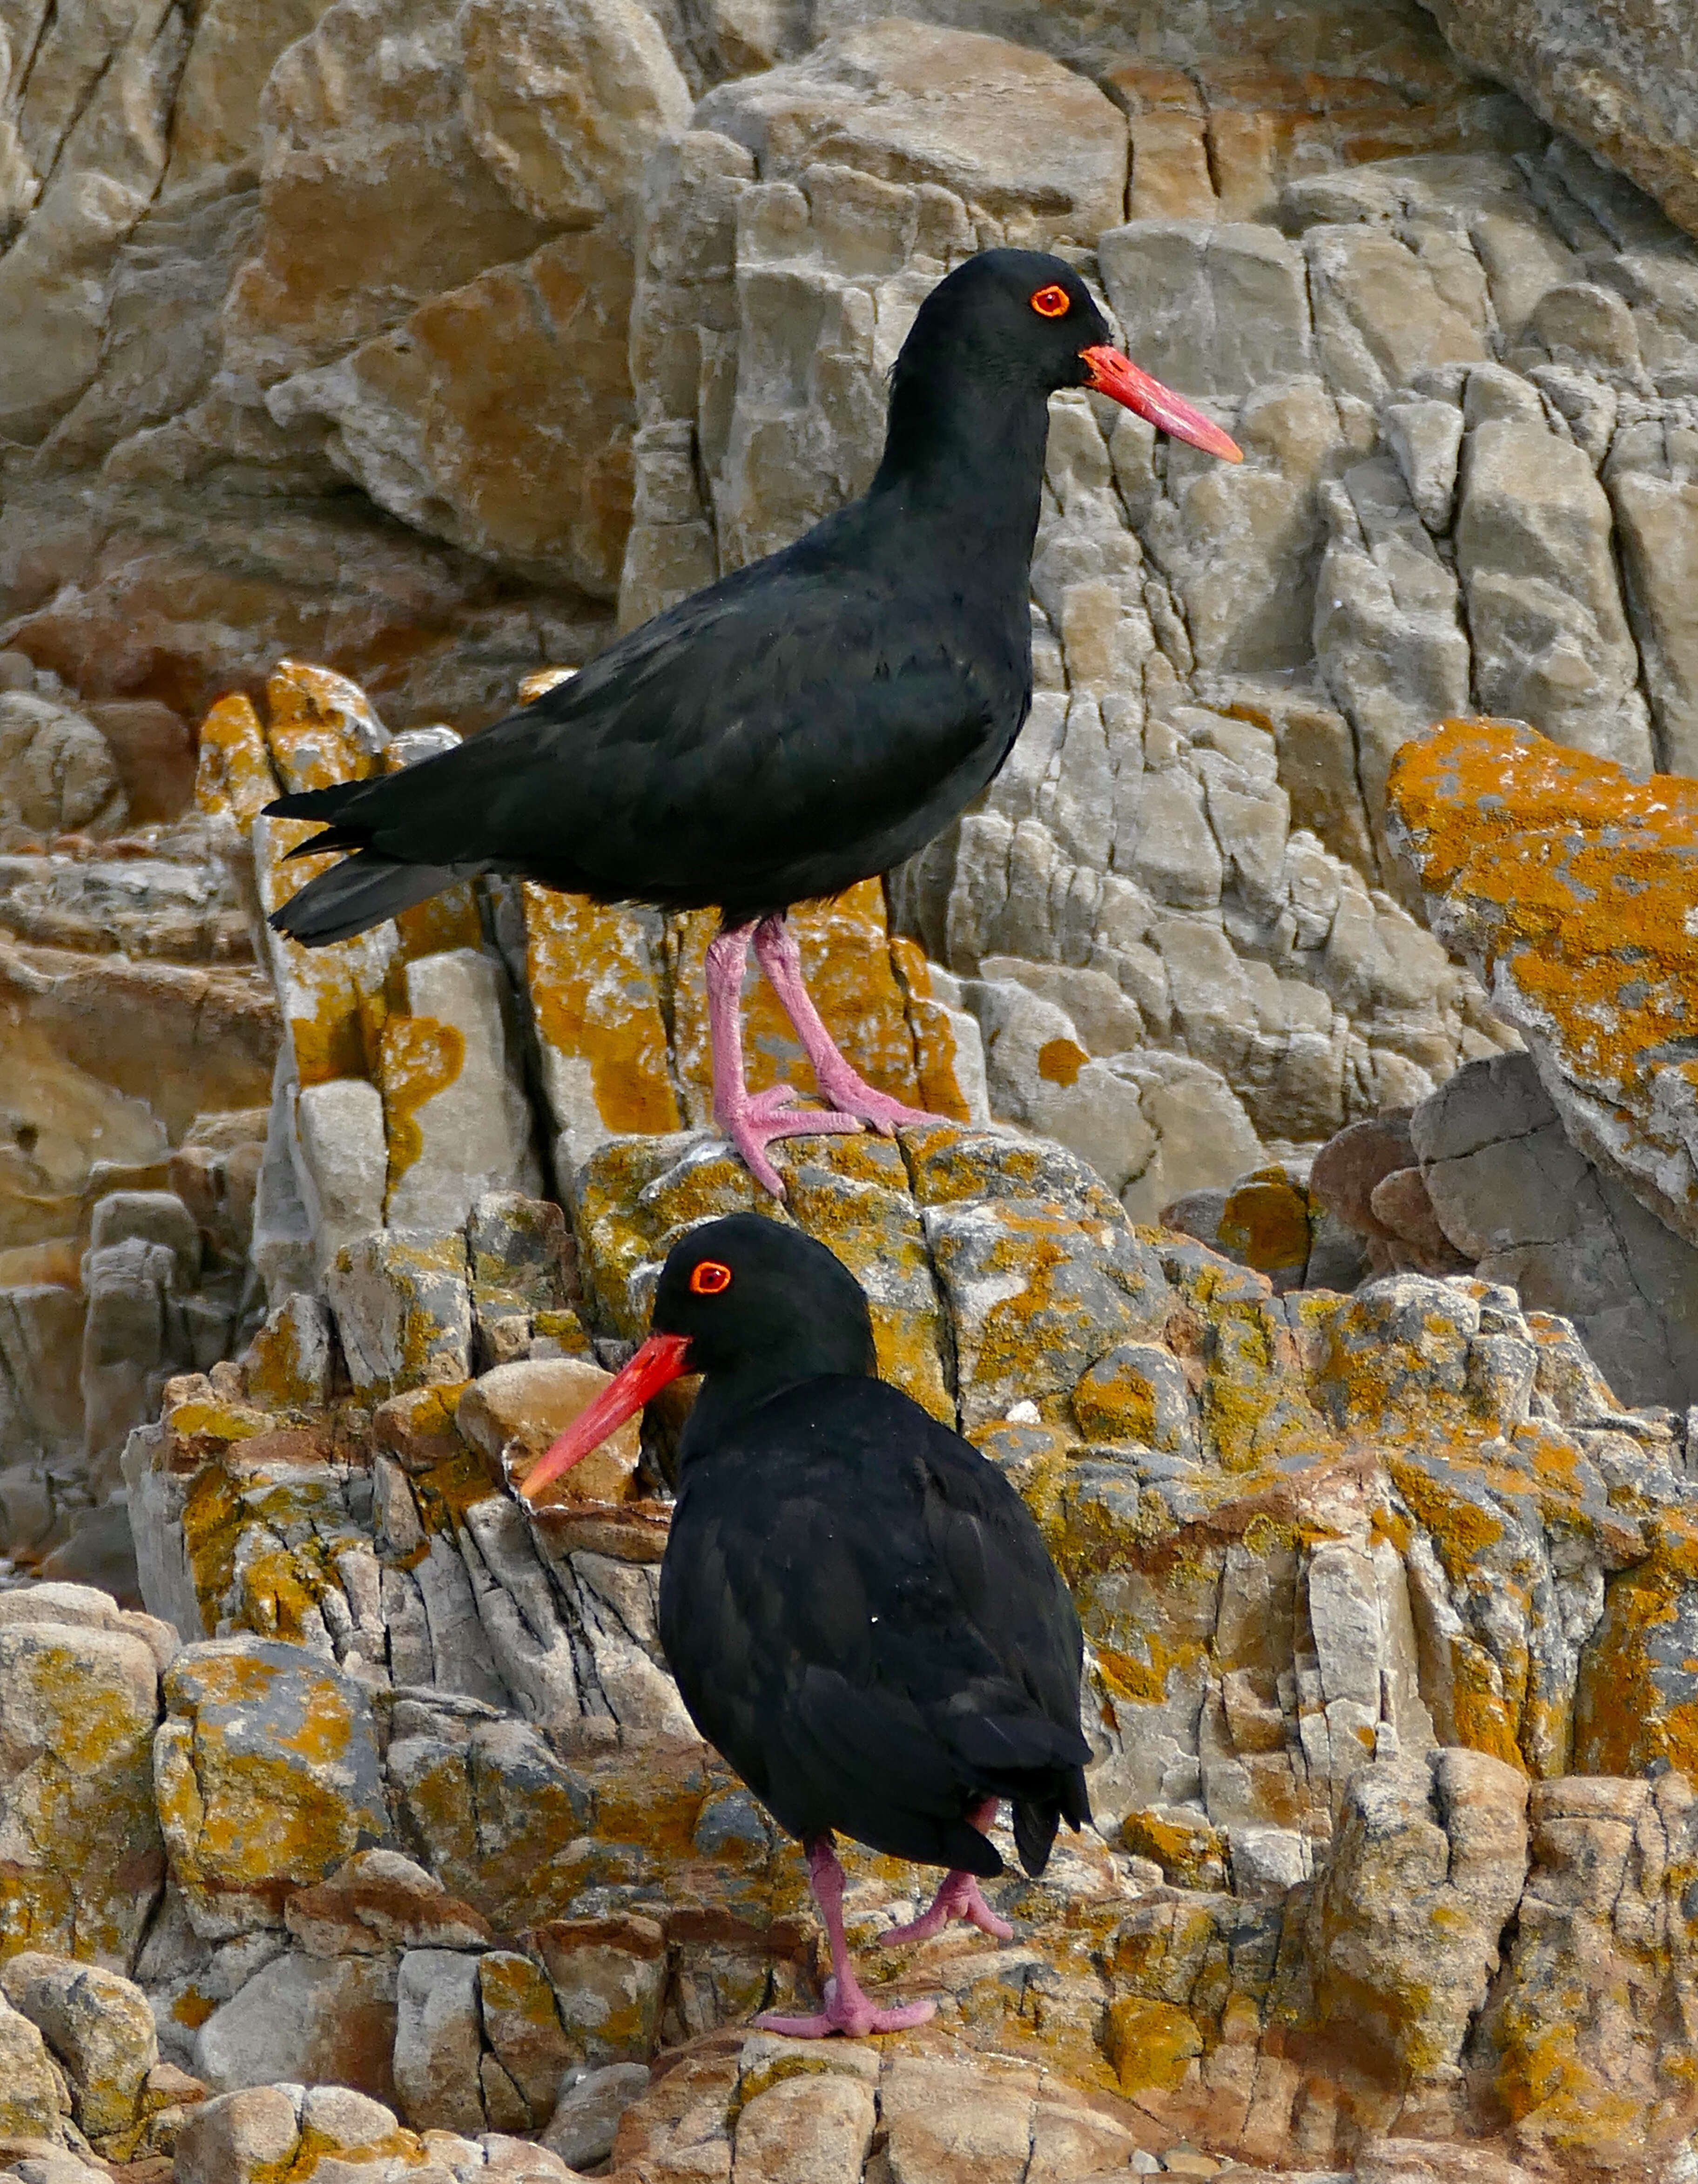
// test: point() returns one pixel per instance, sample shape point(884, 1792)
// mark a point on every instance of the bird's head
point(748, 1299)
point(1025, 318)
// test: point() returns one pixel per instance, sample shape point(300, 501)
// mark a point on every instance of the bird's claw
point(852, 2014)
point(850, 1093)
point(753, 1122)
point(959, 1897)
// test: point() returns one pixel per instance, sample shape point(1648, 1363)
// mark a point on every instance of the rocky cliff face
point(429, 344)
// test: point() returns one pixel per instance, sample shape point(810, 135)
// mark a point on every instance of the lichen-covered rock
point(78, 1705)
point(1426, 1872)
point(291, 2133)
point(101, 2029)
point(33, 2103)
point(1602, 1942)
point(268, 1778)
point(1566, 883)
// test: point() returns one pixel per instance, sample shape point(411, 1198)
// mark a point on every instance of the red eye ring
point(709, 1279)
point(1052, 302)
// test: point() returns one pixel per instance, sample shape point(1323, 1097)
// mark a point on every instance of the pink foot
point(753, 1122)
point(959, 1897)
point(850, 2014)
point(850, 1093)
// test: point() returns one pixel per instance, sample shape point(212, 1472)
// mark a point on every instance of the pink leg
point(847, 2010)
point(779, 957)
point(751, 1120)
point(959, 1897)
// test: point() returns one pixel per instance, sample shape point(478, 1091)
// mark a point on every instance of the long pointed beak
point(1120, 379)
point(661, 1358)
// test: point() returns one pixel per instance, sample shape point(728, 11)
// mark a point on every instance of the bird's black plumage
point(862, 1617)
point(859, 1608)
point(805, 723)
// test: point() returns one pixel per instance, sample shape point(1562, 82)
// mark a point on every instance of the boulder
point(267, 1775)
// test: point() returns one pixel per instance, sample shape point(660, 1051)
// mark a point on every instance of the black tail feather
point(1037, 1818)
point(1034, 1833)
point(356, 894)
point(317, 803)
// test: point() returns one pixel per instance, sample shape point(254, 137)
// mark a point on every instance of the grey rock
point(581, 2129)
point(300, 2020)
point(1515, 1195)
point(438, 2041)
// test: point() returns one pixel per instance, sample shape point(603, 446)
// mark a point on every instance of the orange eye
point(709, 1279)
point(1052, 302)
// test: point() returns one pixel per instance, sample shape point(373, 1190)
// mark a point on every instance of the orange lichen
point(846, 961)
point(1265, 1223)
point(596, 991)
point(418, 1057)
point(321, 728)
point(933, 1033)
point(233, 776)
point(1150, 2044)
point(1572, 887)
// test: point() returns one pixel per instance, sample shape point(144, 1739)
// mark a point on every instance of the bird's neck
point(967, 459)
point(730, 1394)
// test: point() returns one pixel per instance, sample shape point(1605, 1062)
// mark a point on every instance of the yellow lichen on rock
point(596, 994)
point(417, 1058)
point(320, 727)
point(233, 776)
point(267, 1775)
point(1570, 887)
point(846, 959)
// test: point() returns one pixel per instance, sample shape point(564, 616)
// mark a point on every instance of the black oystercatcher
point(859, 1609)
point(798, 726)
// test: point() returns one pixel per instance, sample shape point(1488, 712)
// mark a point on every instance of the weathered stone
point(454, 1112)
point(302, 2019)
point(498, 414)
point(1016, 134)
point(1517, 1198)
point(57, 775)
point(819, 2124)
point(584, 2124)
point(101, 2029)
point(1622, 85)
point(437, 2041)
point(77, 1710)
point(522, 2028)
point(32, 2104)
point(267, 1777)
point(380, 1900)
point(1567, 884)
point(402, 1310)
point(607, 1975)
point(511, 1415)
point(1550, 635)
point(1427, 1870)
point(565, 104)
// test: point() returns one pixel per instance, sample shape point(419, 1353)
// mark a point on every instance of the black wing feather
point(863, 1618)
point(800, 726)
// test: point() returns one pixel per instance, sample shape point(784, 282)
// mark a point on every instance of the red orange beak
point(1120, 379)
point(661, 1358)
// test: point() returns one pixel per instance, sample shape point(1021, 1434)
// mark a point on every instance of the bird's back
point(805, 723)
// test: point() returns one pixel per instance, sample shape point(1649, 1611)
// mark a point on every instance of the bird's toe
point(850, 1094)
point(754, 1121)
point(848, 2014)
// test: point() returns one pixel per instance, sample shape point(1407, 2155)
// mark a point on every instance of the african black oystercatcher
point(803, 724)
point(859, 1609)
